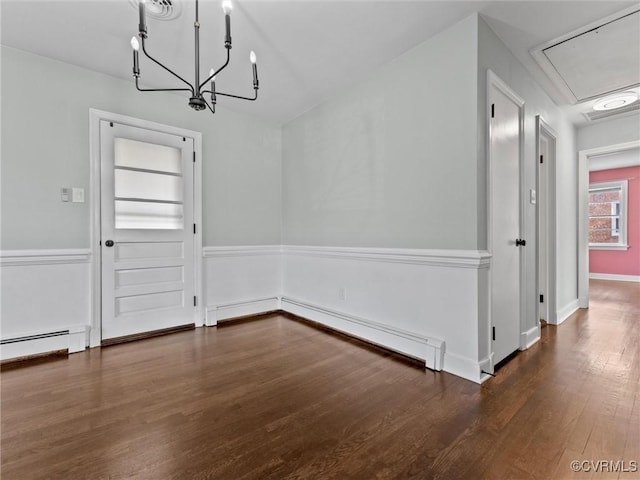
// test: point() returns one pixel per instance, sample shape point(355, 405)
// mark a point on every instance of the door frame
point(95, 116)
point(494, 81)
point(583, 212)
point(543, 129)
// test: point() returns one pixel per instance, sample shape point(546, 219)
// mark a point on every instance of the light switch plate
point(532, 196)
point(65, 194)
point(77, 195)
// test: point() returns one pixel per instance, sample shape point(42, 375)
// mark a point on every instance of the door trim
point(543, 128)
point(583, 209)
point(493, 80)
point(95, 116)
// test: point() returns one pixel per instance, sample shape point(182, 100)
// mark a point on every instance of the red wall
point(621, 262)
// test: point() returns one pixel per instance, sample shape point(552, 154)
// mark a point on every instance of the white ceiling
point(307, 50)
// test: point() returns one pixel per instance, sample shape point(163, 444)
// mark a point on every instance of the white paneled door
point(506, 244)
point(147, 230)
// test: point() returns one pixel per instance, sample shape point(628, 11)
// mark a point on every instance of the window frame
point(622, 237)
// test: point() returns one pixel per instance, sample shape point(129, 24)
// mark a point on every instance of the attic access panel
point(600, 61)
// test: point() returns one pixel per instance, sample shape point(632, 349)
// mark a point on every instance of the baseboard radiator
point(21, 346)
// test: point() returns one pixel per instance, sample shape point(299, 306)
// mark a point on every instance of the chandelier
point(197, 100)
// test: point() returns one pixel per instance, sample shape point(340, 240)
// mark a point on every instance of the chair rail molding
point(447, 258)
point(14, 258)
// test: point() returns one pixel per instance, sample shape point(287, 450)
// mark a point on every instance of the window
point(608, 215)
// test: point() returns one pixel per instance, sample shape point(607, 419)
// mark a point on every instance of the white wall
point(621, 159)
point(390, 162)
point(45, 146)
point(493, 54)
point(609, 132)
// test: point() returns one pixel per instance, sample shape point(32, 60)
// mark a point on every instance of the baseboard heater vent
point(34, 337)
point(428, 350)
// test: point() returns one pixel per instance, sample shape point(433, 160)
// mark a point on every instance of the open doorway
point(593, 220)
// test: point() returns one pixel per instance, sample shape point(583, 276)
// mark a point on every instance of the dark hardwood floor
point(275, 398)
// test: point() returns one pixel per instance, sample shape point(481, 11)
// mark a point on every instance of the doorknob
point(109, 243)
point(520, 242)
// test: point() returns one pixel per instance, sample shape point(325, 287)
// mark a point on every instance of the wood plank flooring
point(276, 398)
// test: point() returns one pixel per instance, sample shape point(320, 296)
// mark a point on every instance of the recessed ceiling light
point(616, 101)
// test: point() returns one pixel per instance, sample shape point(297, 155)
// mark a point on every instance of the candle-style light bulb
point(252, 59)
point(227, 7)
point(142, 27)
point(136, 61)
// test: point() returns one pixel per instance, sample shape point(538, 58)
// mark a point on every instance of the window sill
point(608, 247)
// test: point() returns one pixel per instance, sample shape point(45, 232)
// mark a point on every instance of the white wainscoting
point(424, 303)
point(241, 281)
point(45, 301)
point(428, 304)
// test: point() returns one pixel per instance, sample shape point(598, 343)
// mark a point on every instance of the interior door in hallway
point(505, 242)
point(546, 140)
point(147, 230)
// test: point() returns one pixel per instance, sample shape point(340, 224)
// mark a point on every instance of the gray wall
point(494, 55)
point(390, 162)
point(45, 146)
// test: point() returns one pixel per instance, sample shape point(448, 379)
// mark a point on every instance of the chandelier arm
point(144, 50)
point(161, 89)
point(255, 96)
point(213, 110)
point(217, 71)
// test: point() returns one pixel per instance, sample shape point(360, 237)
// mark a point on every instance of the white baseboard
point(78, 338)
point(431, 350)
point(583, 302)
point(567, 311)
point(71, 339)
point(529, 338)
point(615, 277)
point(217, 313)
point(465, 367)
point(486, 368)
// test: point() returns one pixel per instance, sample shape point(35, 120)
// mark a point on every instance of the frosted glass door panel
point(147, 186)
point(148, 156)
point(148, 215)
